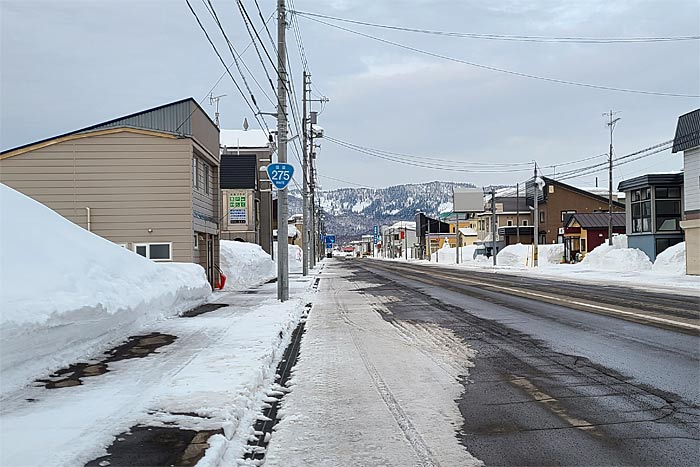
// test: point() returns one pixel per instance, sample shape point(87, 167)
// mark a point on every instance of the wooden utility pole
point(611, 124)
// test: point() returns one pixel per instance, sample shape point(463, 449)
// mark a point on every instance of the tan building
point(513, 221)
point(147, 181)
point(687, 139)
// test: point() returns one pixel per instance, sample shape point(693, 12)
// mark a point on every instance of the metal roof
point(593, 220)
point(173, 118)
point(687, 131)
point(651, 180)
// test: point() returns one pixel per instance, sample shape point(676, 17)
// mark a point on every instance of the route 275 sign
point(280, 175)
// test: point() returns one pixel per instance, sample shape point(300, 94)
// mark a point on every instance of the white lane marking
point(584, 304)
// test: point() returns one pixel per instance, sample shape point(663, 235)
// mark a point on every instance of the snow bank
point(519, 255)
point(295, 257)
point(671, 260)
point(245, 264)
point(617, 257)
point(66, 293)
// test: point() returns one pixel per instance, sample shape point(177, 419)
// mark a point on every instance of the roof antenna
point(215, 100)
point(245, 124)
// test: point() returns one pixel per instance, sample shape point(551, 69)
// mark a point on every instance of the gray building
point(245, 189)
point(148, 181)
point(653, 211)
point(687, 139)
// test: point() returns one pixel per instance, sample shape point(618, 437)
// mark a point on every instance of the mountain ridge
point(350, 213)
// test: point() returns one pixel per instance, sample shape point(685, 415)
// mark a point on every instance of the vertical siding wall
point(691, 186)
point(130, 182)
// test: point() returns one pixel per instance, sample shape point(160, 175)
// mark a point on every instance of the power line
point(218, 80)
point(418, 163)
point(349, 183)
point(505, 37)
point(255, 114)
point(424, 158)
point(500, 70)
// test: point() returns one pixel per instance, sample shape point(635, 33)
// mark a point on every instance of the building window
point(641, 210)
point(524, 222)
point(195, 244)
point(155, 251)
point(510, 223)
point(564, 213)
point(195, 174)
point(206, 178)
point(663, 243)
point(668, 209)
point(583, 244)
point(542, 217)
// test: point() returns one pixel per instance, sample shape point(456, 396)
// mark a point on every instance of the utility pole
point(493, 223)
point(456, 226)
point(282, 199)
point(306, 234)
point(536, 229)
point(405, 241)
point(611, 124)
point(517, 212)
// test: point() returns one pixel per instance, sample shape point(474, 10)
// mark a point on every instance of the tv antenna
point(215, 100)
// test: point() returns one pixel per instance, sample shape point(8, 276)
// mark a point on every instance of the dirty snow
point(76, 292)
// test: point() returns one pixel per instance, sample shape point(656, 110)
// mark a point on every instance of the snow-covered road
point(366, 392)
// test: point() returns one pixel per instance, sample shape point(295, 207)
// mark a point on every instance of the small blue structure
point(654, 206)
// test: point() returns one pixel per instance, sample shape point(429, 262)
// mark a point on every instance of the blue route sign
point(329, 246)
point(330, 239)
point(280, 175)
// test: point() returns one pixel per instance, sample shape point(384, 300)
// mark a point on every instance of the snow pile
point(520, 255)
point(245, 265)
point(466, 253)
point(514, 255)
point(671, 260)
point(75, 292)
point(550, 254)
point(295, 257)
point(617, 257)
point(445, 254)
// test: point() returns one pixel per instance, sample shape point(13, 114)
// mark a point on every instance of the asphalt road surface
point(565, 373)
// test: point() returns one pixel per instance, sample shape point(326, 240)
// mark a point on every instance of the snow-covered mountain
point(352, 212)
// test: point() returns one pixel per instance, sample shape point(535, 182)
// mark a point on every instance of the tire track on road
point(413, 437)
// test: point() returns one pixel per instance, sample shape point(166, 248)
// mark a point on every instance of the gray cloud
point(71, 64)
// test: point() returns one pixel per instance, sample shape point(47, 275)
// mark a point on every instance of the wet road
point(566, 374)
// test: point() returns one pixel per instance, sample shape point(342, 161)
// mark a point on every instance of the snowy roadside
point(76, 294)
point(79, 295)
point(367, 391)
point(604, 266)
point(215, 375)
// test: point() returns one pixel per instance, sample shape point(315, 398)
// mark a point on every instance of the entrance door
point(210, 260)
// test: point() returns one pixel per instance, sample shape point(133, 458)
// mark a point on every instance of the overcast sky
point(70, 64)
